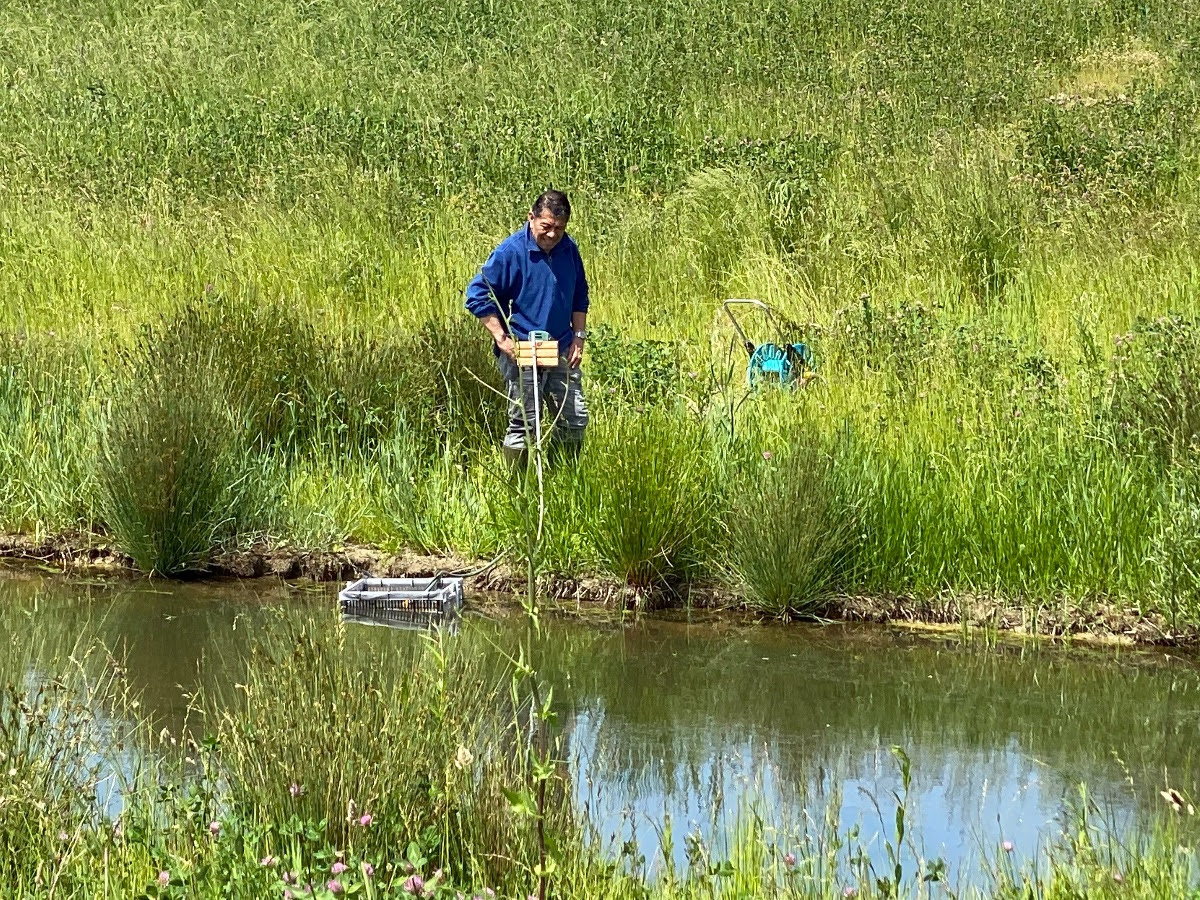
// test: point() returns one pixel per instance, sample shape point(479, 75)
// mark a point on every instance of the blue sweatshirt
point(530, 289)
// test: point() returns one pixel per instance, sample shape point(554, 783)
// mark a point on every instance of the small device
point(785, 363)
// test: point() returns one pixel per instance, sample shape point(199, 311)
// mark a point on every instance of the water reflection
point(665, 719)
point(999, 740)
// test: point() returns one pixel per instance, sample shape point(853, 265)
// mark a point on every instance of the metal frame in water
point(416, 603)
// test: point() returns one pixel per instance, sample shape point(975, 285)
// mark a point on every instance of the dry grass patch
point(1112, 72)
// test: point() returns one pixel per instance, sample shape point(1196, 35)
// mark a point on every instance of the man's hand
point(575, 353)
point(504, 343)
point(508, 347)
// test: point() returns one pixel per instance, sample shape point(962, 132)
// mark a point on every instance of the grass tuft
point(172, 461)
point(791, 534)
point(650, 502)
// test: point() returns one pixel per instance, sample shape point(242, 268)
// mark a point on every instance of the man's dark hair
point(553, 202)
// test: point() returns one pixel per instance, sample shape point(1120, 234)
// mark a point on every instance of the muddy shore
point(1057, 618)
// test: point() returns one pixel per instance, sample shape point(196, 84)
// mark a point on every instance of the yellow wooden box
point(545, 352)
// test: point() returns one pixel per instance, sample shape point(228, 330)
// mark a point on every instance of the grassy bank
point(233, 240)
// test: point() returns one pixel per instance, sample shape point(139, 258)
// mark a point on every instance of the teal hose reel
point(786, 364)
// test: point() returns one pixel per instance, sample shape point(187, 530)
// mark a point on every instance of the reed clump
point(650, 496)
point(792, 531)
point(172, 464)
point(262, 356)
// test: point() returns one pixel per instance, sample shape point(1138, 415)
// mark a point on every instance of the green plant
point(1112, 147)
point(650, 501)
point(261, 357)
point(993, 183)
point(1177, 545)
point(172, 462)
point(1155, 403)
point(897, 339)
point(47, 436)
point(791, 534)
point(989, 235)
point(414, 735)
point(630, 369)
point(438, 381)
point(464, 389)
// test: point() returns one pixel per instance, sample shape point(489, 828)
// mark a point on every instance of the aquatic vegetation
point(398, 743)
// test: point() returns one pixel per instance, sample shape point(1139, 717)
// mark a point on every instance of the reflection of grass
point(910, 694)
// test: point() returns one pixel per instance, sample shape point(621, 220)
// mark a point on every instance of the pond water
point(686, 722)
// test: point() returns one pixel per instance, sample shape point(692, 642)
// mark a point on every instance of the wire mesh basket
point(403, 602)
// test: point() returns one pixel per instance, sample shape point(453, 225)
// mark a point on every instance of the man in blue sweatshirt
point(534, 281)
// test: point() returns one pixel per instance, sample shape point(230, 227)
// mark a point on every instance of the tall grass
point(63, 714)
point(47, 438)
point(172, 463)
point(963, 206)
point(651, 497)
point(1156, 395)
point(437, 712)
point(792, 533)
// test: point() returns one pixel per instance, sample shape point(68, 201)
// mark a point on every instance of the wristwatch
point(582, 334)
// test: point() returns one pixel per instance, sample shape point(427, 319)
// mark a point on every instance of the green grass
point(964, 207)
point(171, 468)
point(650, 497)
point(442, 712)
point(792, 533)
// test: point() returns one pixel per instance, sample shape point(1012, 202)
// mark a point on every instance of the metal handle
point(728, 305)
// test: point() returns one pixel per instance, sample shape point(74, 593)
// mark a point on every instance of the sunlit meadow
point(234, 238)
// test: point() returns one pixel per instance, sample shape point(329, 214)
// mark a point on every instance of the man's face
point(547, 230)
